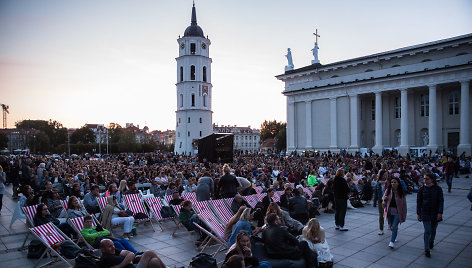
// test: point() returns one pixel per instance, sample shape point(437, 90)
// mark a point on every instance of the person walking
point(341, 196)
point(449, 169)
point(429, 208)
point(395, 207)
point(3, 179)
point(379, 192)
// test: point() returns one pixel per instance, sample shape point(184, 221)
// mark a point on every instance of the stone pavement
point(361, 246)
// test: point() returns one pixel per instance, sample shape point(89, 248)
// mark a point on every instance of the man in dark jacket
point(280, 244)
point(238, 202)
point(298, 207)
point(341, 196)
point(449, 169)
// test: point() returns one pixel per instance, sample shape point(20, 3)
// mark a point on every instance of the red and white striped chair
point(65, 204)
point(251, 199)
point(260, 196)
point(155, 204)
point(308, 192)
point(221, 210)
point(216, 228)
point(277, 195)
point(102, 203)
point(135, 204)
point(202, 207)
point(228, 202)
point(190, 196)
point(50, 236)
point(176, 208)
point(258, 189)
point(29, 212)
point(78, 225)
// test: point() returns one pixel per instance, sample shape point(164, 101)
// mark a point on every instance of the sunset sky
point(102, 61)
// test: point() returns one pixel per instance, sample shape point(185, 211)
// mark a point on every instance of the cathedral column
point(433, 119)
point(378, 148)
point(333, 124)
point(308, 125)
point(355, 119)
point(290, 125)
point(464, 111)
point(404, 147)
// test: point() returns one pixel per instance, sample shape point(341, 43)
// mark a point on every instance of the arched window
point(193, 47)
point(192, 72)
point(181, 73)
point(181, 100)
point(188, 120)
point(204, 73)
point(201, 120)
point(204, 100)
point(193, 100)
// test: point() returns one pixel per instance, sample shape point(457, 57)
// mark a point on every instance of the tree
point(270, 129)
point(83, 136)
point(115, 131)
point(54, 131)
point(281, 140)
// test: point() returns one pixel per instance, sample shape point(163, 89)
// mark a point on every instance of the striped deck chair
point(277, 195)
point(50, 235)
point(251, 199)
point(190, 196)
point(216, 228)
point(202, 207)
point(155, 204)
point(102, 203)
point(135, 204)
point(307, 191)
point(176, 208)
point(221, 210)
point(29, 212)
point(78, 225)
point(65, 204)
point(312, 188)
point(260, 196)
point(228, 202)
point(258, 189)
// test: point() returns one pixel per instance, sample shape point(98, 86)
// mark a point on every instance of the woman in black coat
point(429, 208)
point(43, 216)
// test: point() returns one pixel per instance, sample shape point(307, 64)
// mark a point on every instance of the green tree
point(270, 129)
point(55, 132)
point(83, 136)
point(281, 140)
point(115, 131)
point(3, 141)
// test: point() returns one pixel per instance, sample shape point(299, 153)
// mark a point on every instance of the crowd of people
point(287, 228)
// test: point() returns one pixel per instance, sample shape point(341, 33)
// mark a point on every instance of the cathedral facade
point(194, 89)
point(417, 96)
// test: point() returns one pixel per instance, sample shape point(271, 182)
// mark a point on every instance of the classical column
point(464, 111)
point(404, 147)
point(378, 148)
point(355, 119)
point(433, 119)
point(333, 124)
point(290, 125)
point(308, 125)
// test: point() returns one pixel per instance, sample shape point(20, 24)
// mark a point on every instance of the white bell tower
point(194, 89)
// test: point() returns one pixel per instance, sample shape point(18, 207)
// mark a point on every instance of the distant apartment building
point(100, 132)
point(246, 139)
point(17, 139)
point(164, 137)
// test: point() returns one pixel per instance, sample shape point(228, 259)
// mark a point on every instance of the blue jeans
point(393, 221)
point(449, 181)
point(124, 244)
point(429, 232)
point(262, 264)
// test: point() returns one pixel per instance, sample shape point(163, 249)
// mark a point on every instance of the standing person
point(379, 192)
point(3, 179)
point(205, 187)
point(228, 185)
point(341, 195)
point(429, 208)
point(449, 169)
point(395, 207)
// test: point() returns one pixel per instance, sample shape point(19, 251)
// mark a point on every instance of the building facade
point(246, 139)
point(194, 89)
point(417, 96)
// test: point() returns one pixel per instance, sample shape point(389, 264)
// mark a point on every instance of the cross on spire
point(316, 35)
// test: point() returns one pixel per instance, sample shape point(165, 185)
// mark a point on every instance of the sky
point(102, 61)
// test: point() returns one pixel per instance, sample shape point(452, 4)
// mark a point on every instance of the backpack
point(167, 212)
point(86, 259)
point(35, 249)
point(69, 249)
point(356, 203)
point(203, 260)
point(141, 215)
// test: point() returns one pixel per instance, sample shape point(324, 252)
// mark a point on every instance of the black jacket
point(43, 220)
point(280, 243)
point(228, 186)
point(429, 202)
point(340, 188)
point(298, 205)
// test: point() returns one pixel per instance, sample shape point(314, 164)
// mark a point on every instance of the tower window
point(204, 73)
point(179, 122)
point(204, 101)
point(200, 133)
point(188, 133)
point(453, 103)
point(178, 134)
point(181, 100)
point(424, 105)
point(193, 100)
point(192, 48)
point(201, 120)
point(188, 120)
point(181, 73)
point(397, 108)
point(192, 72)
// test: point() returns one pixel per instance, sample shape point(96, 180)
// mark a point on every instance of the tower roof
point(194, 29)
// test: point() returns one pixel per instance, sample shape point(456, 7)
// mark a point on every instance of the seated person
point(91, 201)
point(94, 234)
point(293, 226)
point(280, 244)
point(113, 257)
point(43, 216)
point(187, 217)
point(242, 247)
point(284, 198)
point(54, 204)
point(176, 199)
point(229, 226)
point(131, 188)
point(242, 225)
point(268, 199)
point(238, 201)
point(314, 235)
point(75, 209)
point(298, 207)
point(76, 191)
point(114, 215)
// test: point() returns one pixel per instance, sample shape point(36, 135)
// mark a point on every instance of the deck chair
point(258, 189)
point(277, 195)
point(176, 208)
point(221, 210)
point(216, 228)
point(78, 225)
point(308, 192)
point(135, 204)
point(29, 212)
point(251, 199)
point(102, 203)
point(260, 196)
point(155, 204)
point(190, 196)
point(50, 235)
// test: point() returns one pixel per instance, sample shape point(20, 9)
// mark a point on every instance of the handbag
point(203, 260)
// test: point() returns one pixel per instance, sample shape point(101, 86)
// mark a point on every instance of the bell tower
point(194, 89)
